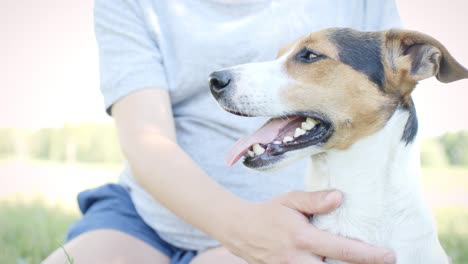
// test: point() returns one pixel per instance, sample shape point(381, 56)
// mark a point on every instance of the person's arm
point(147, 137)
point(269, 232)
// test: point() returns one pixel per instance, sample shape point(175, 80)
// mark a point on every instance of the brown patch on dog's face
point(355, 105)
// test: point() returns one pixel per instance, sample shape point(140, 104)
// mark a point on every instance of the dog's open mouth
point(278, 136)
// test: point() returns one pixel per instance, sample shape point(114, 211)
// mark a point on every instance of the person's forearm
point(173, 179)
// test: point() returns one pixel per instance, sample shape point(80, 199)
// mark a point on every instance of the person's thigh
point(109, 247)
point(216, 256)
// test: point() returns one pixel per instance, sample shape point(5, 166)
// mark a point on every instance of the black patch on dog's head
point(411, 127)
point(362, 51)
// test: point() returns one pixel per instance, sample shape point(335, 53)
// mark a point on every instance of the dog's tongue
point(266, 134)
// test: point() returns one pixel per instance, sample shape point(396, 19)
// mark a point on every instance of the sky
point(51, 76)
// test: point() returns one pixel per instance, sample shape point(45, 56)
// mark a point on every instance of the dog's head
point(327, 90)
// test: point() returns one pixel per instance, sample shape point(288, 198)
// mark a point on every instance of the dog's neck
point(379, 177)
point(378, 163)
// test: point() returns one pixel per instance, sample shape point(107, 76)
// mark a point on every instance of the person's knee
point(106, 246)
point(217, 255)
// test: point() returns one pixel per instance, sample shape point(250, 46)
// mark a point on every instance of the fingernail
point(389, 259)
point(333, 196)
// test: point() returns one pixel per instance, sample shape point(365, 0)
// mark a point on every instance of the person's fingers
point(344, 249)
point(312, 202)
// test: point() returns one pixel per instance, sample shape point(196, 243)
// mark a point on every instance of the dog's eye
point(308, 56)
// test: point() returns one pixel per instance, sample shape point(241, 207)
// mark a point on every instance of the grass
point(453, 233)
point(29, 231)
point(69, 258)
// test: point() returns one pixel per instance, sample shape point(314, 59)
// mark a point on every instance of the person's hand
point(279, 231)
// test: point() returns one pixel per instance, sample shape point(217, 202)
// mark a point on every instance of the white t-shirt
point(175, 44)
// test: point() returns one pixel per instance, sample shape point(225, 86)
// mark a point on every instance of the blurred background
point(56, 140)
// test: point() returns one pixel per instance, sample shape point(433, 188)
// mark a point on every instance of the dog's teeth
point(306, 126)
point(258, 150)
point(250, 153)
point(287, 139)
point(276, 142)
point(299, 132)
point(311, 121)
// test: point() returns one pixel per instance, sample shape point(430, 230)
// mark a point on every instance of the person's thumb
point(310, 203)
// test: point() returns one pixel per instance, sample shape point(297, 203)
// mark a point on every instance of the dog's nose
point(219, 81)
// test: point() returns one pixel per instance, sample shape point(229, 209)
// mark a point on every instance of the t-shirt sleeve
point(129, 54)
point(381, 15)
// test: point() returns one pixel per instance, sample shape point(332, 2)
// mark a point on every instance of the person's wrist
point(228, 229)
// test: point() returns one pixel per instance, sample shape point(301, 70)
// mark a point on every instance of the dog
point(343, 97)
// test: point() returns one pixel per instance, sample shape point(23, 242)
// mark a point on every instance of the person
point(176, 202)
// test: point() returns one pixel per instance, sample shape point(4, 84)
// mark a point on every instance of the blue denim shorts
point(110, 207)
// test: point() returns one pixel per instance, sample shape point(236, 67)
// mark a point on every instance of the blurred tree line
point(91, 143)
point(97, 143)
point(450, 149)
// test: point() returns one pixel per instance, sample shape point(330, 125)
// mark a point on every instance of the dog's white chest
point(382, 205)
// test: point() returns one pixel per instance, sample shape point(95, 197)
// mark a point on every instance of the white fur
point(257, 88)
point(379, 177)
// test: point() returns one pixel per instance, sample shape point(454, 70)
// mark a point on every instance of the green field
point(29, 231)
point(453, 233)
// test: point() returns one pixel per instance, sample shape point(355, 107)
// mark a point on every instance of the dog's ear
point(419, 56)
